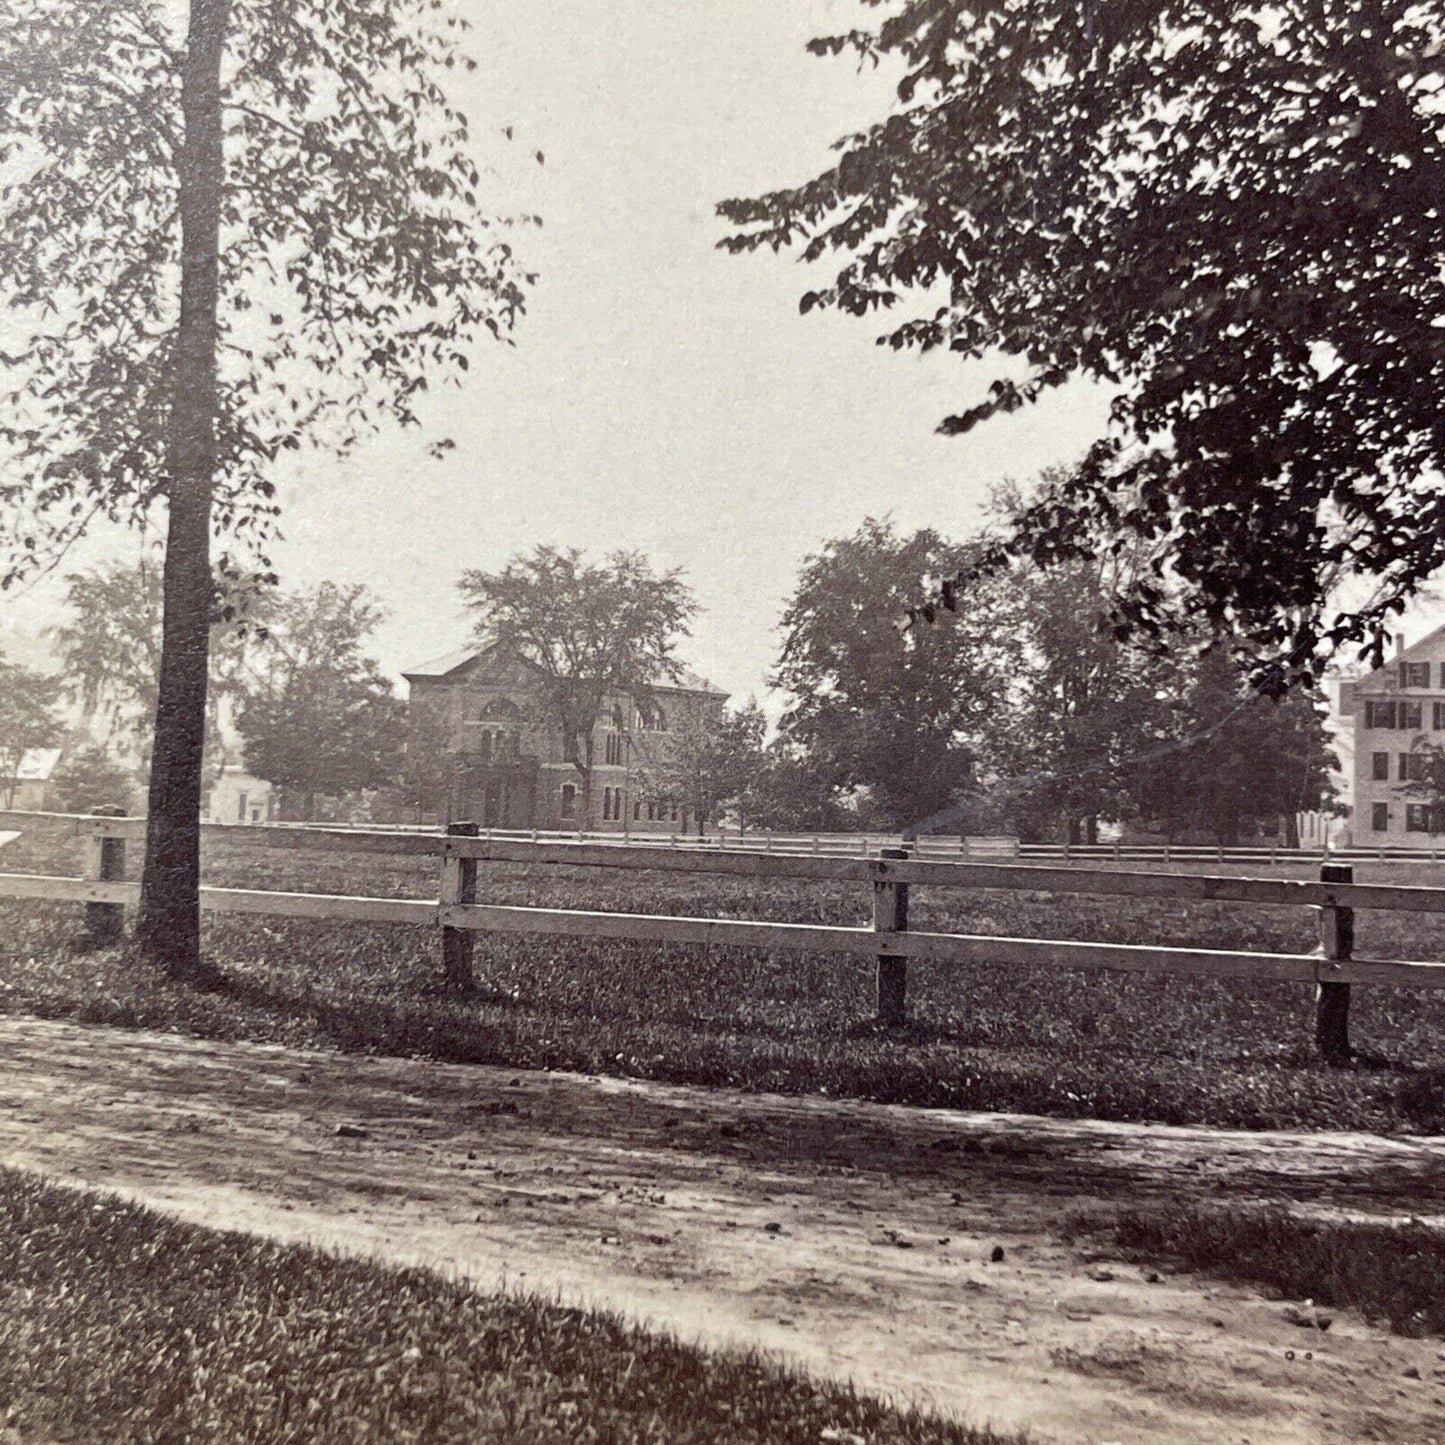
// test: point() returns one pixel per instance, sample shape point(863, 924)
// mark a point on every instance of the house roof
point(1385, 673)
point(36, 765)
point(450, 662)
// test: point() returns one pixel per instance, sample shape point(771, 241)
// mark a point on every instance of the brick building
point(1396, 713)
point(481, 749)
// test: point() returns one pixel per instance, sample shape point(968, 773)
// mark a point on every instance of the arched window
point(495, 731)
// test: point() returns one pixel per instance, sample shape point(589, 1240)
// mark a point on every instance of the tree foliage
point(1240, 758)
point(591, 631)
point(87, 777)
point(1227, 213)
point(880, 705)
point(109, 650)
point(710, 760)
point(27, 718)
point(316, 715)
point(1065, 739)
point(356, 262)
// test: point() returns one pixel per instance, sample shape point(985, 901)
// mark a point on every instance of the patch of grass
point(1033, 1039)
point(117, 1323)
point(1390, 1273)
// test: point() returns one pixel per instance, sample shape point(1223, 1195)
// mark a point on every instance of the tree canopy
point(109, 647)
point(316, 715)
point(356, 261)
point(879, 705)
point(1227, 213)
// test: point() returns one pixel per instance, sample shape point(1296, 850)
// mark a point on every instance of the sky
point(661, 394)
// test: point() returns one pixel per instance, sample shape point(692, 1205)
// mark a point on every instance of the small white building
point(237, 797)
point(31, 784)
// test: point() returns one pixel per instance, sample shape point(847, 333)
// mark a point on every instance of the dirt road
point(855, 1239)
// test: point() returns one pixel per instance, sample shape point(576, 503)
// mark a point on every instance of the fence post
point(105, 863)
point(890, 915)
point(1337, 943)
point(459, 885)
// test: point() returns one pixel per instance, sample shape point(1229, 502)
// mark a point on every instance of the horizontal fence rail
point(384, 838)
point(890, 872)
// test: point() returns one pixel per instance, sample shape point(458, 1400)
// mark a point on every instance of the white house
point(237, 797)
point(1397, 717)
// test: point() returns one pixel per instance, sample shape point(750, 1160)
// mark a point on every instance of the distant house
point(31, 783)
point(1393, 712)
point(237, 797)
point(478, 733)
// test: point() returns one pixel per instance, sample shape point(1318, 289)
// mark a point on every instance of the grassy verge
point(119, 1324)
point(1391, 1273)
point(1033, 1039)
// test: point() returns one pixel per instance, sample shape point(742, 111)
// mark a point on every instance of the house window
point(1417, 817)
point(1408, 715)
point(1412, 767)
point(1380, 817)
point(1414, 674)
point(569, 801)
point(674, 813)
point(1379, 714)
point(241, 808)
point(1437, 720)
point(1380, 767)
point(636, 810)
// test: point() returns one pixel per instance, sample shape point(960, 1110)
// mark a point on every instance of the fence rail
point(890, 873)
point(374, 837)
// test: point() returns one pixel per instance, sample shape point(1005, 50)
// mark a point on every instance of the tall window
point(569, 801)
point(613, 750)
point(1380, 767)
point(607, 805)
point(1407, 715)
point(1412, 767)
point(1380, 817)
point(1437, 720)
point(1414, 674)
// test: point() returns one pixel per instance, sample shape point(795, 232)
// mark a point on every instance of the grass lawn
point(1033, 1039)
point(1391, 1273)
point(119, 1324)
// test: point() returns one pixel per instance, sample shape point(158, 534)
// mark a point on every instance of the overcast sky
point(662, 395)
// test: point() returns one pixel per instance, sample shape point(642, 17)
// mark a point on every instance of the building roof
point(1384, 672)
point(440, 666)
point(689, 681)
point(36, 765)
point(450, 662)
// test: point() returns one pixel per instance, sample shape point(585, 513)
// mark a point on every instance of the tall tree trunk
point(168, 928)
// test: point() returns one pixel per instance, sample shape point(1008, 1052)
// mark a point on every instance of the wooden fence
point(890, 873)
point(946, 846)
